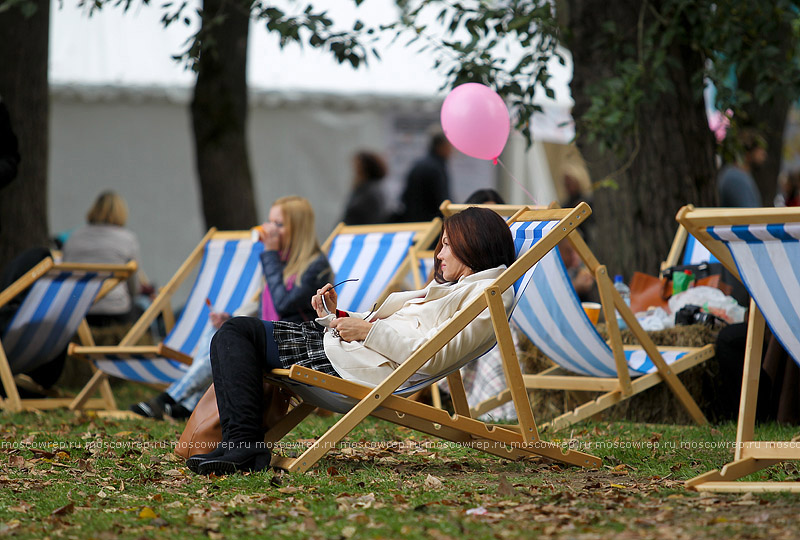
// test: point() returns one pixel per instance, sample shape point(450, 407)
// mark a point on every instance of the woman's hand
point(218, 318)
point(270, 236)
point(327, 295)
point(351, 328)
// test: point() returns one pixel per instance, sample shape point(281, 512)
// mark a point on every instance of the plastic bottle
point(625, 292)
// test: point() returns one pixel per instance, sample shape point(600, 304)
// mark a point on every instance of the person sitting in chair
point(475, 247)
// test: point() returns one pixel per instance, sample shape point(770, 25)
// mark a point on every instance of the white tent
point(120, 121)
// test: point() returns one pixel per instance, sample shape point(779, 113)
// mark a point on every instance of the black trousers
point(239, 356)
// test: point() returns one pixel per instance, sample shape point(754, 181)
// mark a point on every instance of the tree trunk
point(219, 112)
point(669, 161)
point(769, 118)
point(24, 89)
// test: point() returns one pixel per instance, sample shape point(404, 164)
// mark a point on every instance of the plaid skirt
point(301, 344)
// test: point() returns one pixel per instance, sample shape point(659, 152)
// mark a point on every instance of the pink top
point(268, 311)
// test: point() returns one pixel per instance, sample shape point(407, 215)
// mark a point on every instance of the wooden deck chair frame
point(613, 389)
point(382, 401)
point(676, 255)
point(161, 305)
point(13, 401)
point(426, 232)
point(749, 455)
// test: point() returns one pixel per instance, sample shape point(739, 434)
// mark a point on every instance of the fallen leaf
point(432, 482)
point(504, 488)
point(348, 531)
point(147, 513)
point(66, 509)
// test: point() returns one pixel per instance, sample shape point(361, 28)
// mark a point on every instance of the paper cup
point(255, 233)
point(592, 309)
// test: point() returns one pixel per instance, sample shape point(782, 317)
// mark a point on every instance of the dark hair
point(372, 165)
point(436, 142)
point(483, 196)
point(480, 239)
point(751, 139)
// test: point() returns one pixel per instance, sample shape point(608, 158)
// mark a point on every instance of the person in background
point(367, 202)
point(474, 249)
point(294, 268)
point(735, 183)
point(428, 182)
point(104, 239)
point(485, 196)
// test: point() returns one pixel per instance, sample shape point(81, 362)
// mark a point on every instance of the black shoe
point(244, 460)
point(177, 411)
point(193, 463)
point(149, 409)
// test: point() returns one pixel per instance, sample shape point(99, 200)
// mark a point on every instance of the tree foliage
point(732, 37)
point(640, 71)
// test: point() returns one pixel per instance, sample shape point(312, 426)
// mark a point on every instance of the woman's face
point(276, 219)
point(451, 267)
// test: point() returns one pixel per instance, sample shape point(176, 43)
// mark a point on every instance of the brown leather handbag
point(203, 432)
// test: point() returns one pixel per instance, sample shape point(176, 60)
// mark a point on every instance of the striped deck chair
point(377, 256)
point(53, 310)
point(229, 273)
point(388, 400)
point(686, 250)
point(761, 246)
point(552, 318)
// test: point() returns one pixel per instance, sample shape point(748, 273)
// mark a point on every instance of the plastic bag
point(712, 301)
point(654, 319)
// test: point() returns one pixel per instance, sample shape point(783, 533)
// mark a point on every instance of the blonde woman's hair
point(301, 237)
point(108, 209)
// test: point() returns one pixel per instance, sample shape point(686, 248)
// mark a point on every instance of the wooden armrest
point(105, 350)
point(163, 350)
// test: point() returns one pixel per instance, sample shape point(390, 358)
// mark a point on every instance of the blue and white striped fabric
point(525, 234)
point(49, 316)
point(424, 270)
point(373, 258)
point(549, 313)
point(696, 253)
point(768, 260)
point(229, 275)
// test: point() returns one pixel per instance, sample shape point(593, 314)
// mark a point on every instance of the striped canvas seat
point(387, 400)
point(760, 246)
point(341, 404)
point(56, 301)
point(228, 274)
point(377, 256)
point(550, 314)
point(49, 316)
point(696, 253)
point(767, 257)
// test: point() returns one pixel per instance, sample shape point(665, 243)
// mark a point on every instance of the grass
point(70, 476)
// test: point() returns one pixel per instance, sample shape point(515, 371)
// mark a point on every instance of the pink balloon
point(475, 120)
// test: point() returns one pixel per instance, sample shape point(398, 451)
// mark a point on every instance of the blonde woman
point(294, 268)
point(104, 239)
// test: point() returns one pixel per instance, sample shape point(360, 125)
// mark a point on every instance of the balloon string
point(496, 161)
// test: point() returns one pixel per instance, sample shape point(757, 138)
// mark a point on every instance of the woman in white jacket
point(473, 250)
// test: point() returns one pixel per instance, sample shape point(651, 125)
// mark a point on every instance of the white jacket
point(409, 319)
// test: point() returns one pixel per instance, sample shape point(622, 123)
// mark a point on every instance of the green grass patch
point(78, 476)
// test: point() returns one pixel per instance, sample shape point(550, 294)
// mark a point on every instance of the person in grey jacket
point(473, 250)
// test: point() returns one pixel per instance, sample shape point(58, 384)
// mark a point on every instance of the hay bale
point(655, 405)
